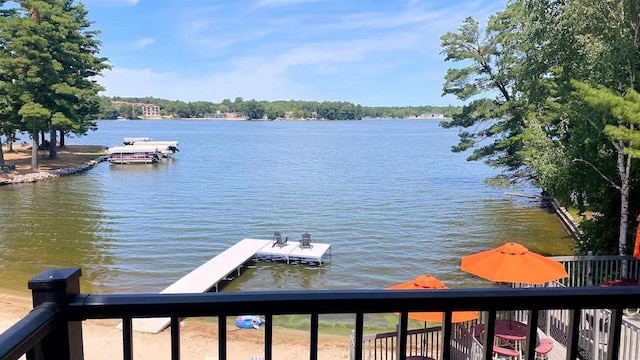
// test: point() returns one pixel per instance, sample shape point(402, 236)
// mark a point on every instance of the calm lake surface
point(389, 195)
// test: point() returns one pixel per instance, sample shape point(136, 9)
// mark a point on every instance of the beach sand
point(198, 339)
point(69, 156)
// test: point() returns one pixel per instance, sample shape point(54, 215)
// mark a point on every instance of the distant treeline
point(125, 107)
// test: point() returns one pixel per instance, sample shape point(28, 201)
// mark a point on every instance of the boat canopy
point(132, 149)
point(131, 140)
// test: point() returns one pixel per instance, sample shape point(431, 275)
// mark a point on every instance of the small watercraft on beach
point(249, 321)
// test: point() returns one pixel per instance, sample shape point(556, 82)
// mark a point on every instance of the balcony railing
point(583, 271)
point(53, 329)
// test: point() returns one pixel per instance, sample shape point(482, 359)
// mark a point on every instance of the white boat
point(167, 148)
point(130, 154)
point(132, 140)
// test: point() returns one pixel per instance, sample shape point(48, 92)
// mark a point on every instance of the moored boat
point(133, 154)
point(166, 148)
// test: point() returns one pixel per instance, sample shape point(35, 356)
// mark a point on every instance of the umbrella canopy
point(513, 263)
point(426, 282)
point(636, 248)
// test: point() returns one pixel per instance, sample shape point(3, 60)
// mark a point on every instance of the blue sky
point(369, 52)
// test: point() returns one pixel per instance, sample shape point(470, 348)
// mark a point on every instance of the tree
point(625, 112)
point(594, 167)
point(528, 118)
point(491, 71)
point(53, 66)
point(254, 109)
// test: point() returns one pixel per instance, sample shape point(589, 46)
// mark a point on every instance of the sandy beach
point(199, 339)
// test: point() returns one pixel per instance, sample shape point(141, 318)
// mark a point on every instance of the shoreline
point(198, 338)
point(72, 159)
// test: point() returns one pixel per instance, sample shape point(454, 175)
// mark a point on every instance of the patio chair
point(544, 348)
point(478, 332)
point(277, 239)
point(502, 352)
point(305, 241)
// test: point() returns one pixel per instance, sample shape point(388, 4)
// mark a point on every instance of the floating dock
point(209, 275)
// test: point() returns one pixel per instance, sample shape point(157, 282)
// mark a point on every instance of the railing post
point(590, 268)
point(57, 286)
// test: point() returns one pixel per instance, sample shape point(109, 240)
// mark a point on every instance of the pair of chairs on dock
point(305, 241)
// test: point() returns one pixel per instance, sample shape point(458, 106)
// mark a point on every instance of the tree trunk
point(52, 145)
point(34, 150)
point(1, 153)
point(624, 170)
point(62, 138)
point(624, 218)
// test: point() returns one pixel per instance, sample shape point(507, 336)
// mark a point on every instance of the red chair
point(506, 352)
point(542, 350)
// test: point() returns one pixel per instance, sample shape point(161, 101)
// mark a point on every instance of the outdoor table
point(512, 332)
point(624, 282)
point(620, 282)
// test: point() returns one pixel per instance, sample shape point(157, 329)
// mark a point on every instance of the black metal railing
point(53, 329)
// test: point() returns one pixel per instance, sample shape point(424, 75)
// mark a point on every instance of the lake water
point(389, 195)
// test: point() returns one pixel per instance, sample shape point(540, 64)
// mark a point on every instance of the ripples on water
point(389, 196)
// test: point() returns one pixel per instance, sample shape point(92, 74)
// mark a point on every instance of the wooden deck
point(209, 275)
point(291, 251)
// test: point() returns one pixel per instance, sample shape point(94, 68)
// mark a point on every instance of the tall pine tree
point(50, 61)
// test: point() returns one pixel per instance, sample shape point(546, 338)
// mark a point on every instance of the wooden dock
point(292, 252)
point(209, 275)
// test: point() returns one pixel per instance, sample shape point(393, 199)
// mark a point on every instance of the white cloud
point(144, 42)
point(261, 77)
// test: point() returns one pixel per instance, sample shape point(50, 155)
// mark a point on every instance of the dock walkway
point(209, 275)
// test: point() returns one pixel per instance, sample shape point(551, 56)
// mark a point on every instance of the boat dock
point(228, 263)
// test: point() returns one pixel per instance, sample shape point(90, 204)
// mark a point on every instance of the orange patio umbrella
point(513, 263)
point(636, 248)
point(425, 282)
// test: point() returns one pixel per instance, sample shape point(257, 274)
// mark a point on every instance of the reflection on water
point(59, 223)
point(388, 195)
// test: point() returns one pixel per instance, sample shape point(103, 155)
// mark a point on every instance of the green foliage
point(34, 113)
point(254, 109)
point(490, 68)
point(48, 60)
point(600, 236)
point(524, 116)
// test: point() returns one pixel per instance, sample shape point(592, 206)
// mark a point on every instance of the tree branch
point(606, 178)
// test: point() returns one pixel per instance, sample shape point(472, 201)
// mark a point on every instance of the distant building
point(432, 116)
point(146, 110)
point(149, 110)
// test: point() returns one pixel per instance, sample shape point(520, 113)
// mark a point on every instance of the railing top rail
point(392, 334)
point(594, 257)
point(27, 332)
point(348, 301)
